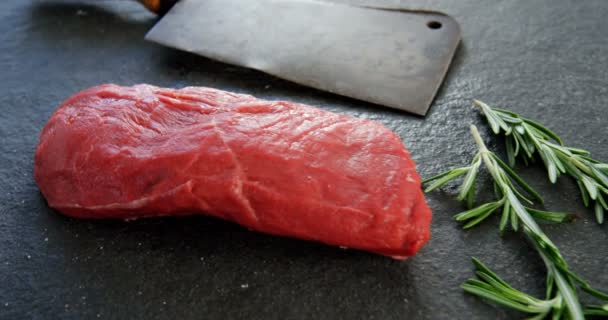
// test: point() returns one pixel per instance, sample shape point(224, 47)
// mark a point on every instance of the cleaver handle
point(158, 6)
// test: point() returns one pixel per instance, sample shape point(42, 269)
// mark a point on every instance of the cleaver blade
point(389, 57)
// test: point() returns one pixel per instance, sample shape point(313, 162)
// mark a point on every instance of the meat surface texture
point(276, 167)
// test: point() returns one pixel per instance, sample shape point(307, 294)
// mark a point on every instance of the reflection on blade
point(388, 57)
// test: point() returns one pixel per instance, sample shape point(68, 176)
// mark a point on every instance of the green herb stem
point(533, 139)
point(511, 190)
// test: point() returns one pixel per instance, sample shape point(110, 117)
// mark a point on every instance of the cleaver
point(390, 57)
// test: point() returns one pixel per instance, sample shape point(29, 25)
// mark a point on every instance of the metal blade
point(388, 57)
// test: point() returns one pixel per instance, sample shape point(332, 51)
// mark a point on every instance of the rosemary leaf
point(535, 139)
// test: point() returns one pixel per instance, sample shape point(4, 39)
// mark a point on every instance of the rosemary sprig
point(491, 287)
point(561, 299)
point(526, 138)
point(561, 294)
point(560, 291)
point(507, 185)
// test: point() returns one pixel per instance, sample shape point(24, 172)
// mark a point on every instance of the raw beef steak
point(276, 167)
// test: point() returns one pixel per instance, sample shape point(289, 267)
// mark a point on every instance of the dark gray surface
point(546, 59)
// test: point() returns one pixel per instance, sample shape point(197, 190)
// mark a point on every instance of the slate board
point(546, 59)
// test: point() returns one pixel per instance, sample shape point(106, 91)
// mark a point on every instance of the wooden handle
point(158, 6)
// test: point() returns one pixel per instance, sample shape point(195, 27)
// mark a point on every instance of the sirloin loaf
point(276, 167)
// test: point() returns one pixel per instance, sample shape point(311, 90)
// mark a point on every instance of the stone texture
point(547, 59)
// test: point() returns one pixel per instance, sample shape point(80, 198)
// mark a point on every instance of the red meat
point(277, 167)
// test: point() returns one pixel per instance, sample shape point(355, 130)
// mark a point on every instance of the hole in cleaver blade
point(389, 57)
